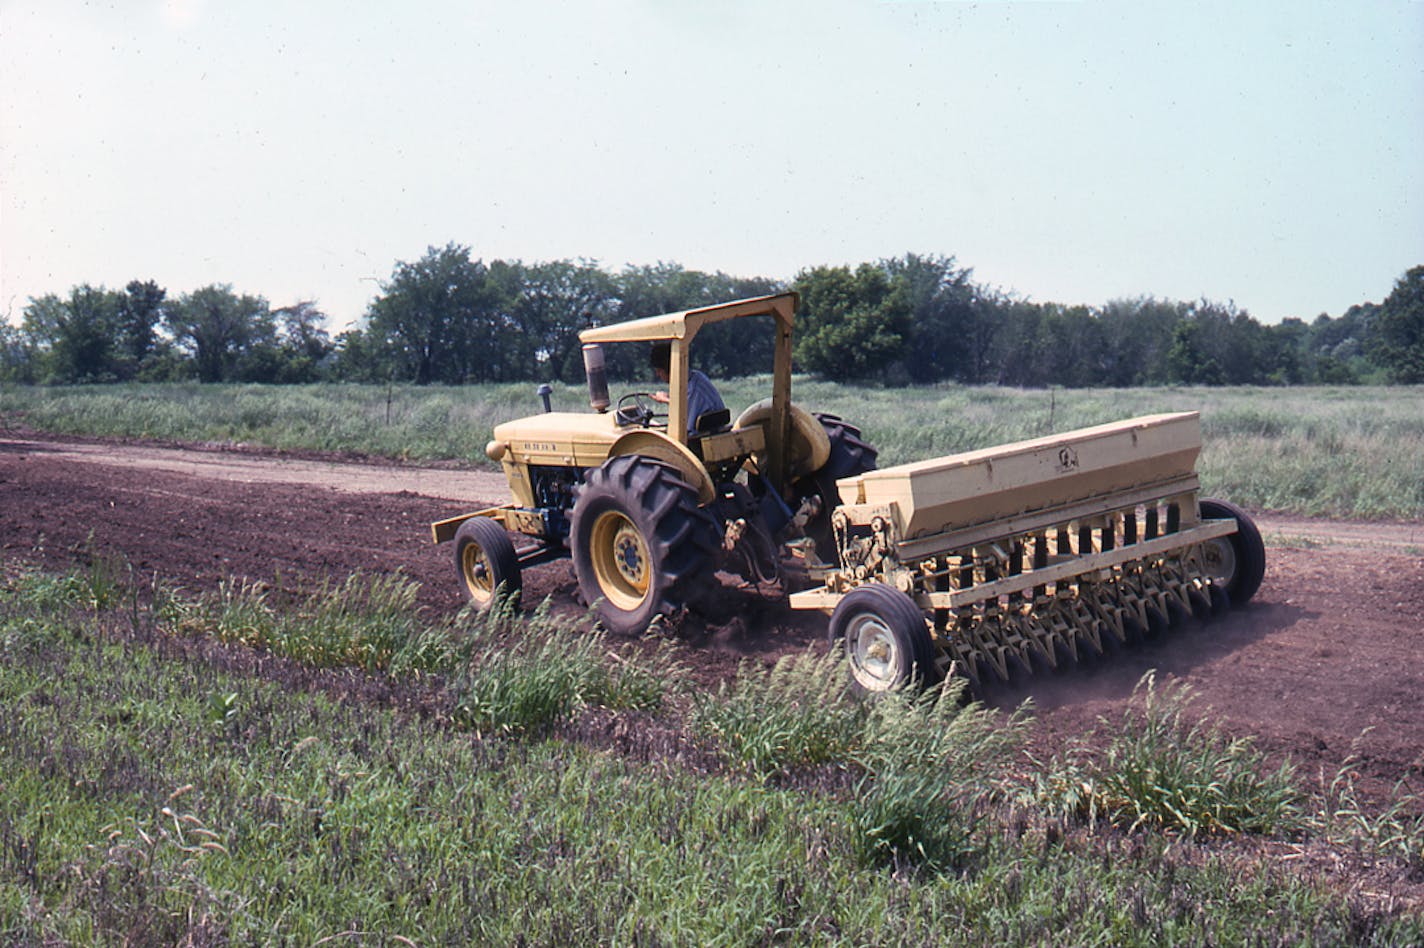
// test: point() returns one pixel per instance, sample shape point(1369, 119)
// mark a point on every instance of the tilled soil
point(1328, 660)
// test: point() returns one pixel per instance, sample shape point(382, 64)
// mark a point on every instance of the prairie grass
point(931, 768)
point(361, 621)
point(509, 672)
point(796, 714)
point(516, 674)
point(1393, 831)
point(1343, 452)
point(936, 772)
point(154, 792)
point(1163, 767)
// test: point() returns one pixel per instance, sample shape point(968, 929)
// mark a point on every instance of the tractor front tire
point(486, 561)
point(642, 547)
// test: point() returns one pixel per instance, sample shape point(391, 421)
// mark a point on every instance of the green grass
point(1346, 452)
point(1162, 767)
point(158, 787)
point(797, 714)
point(515, 674)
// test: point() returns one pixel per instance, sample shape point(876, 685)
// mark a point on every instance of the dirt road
point(1329, 656)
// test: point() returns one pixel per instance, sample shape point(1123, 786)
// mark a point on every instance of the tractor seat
point(713, 422)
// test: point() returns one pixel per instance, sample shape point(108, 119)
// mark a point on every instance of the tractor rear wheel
point(1237, 562)
point(850, 455)
point(641, 545)
point(486, 561)
point(885, 639)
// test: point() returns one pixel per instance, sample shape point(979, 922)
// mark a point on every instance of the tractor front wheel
point(486, 561)
point(641, 545)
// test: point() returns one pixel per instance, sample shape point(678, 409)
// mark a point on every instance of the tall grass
point(797, 714)
point(390, 421)
point(362, 621)
point(1353, 452)
point(525, 673)
point(935, 772)
point(1167, 768)
point(931, 769)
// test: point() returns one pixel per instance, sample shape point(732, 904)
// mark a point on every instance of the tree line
point(450, 318)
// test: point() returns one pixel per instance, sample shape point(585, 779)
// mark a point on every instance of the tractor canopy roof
point(684, 325)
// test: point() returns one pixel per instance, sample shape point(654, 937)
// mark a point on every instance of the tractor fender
point(658, 446)
point(810, 446)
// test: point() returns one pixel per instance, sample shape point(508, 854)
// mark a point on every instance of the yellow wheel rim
point(620, 560)
point(479, 577)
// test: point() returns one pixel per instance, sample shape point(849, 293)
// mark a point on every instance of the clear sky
point(1270, 153)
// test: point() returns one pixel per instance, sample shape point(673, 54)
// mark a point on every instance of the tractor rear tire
point(885, 639)
point(1236, 562)
point(850, 455)
point(641, 545)
point(487, 563)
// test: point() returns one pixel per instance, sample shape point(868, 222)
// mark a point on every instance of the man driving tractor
point(702, 395)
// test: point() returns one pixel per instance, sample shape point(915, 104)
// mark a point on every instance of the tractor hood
point(564, 439)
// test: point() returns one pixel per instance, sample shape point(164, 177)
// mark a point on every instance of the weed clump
point(362, 621)
point(932, 768)
point(523, 673)
point(1392, 831)
point(1165, 770)
point(935, 770)
point(796, 714)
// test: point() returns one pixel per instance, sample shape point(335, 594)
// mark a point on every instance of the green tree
point(225, 334)
point(39, 330)
point(1073, 347)
point(140, 310)
point(73, 339)
point(16, 362)
point(1216, 344)
point(1285, 352)
point(302, 341)
point(853, 324)
point(1397, 337)
point(1136, 335)
point(552, 302)
point(1189, 360)
point(86, 347)
point(359, 356)
point(1335, 348)
point(949, 328)
point(442, 320)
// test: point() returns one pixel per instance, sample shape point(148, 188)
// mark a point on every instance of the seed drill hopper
point(985, 564)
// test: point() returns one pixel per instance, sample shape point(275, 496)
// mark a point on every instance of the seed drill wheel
point(884, 636)
point(1236, 563)
point(850, 455)
point(641, 545)
point(486, 561)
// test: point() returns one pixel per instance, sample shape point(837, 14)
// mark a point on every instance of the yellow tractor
point(984, 564)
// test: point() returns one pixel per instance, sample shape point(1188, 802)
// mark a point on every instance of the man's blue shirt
point(702, 397)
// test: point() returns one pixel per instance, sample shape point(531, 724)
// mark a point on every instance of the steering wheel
point(636, 408)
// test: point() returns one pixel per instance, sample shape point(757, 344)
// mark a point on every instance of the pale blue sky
point(1267, 153)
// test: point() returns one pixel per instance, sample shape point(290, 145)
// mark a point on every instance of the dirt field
point(1329, 656)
